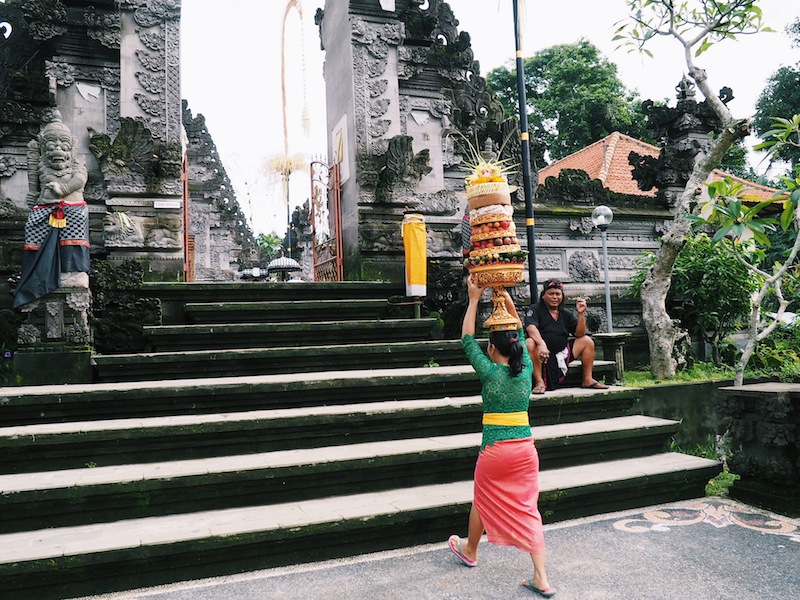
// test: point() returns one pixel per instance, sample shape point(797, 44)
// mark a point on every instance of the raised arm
point(474, 293)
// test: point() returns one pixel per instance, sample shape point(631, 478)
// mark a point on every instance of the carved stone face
point(58, 151)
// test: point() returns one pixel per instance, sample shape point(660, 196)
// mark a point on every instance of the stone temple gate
point(404, 94)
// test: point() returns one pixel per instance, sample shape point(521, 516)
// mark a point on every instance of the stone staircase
point(271, 458)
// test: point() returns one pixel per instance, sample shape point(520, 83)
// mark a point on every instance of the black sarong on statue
point(50, 251)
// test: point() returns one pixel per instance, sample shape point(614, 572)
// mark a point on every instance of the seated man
point(549, 325)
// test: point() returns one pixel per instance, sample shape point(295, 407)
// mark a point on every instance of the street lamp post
point(602, 217)
point(527, 185)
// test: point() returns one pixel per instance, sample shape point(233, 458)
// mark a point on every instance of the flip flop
point(541, 390)
point(455, 546)
point(595, 386)
point(548, 593)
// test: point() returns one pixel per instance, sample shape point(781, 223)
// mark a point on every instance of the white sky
point(231, 73)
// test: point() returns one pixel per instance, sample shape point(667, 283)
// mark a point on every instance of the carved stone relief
point(584, 225)
point(121, 230)
point(28, 335)
point(104, 27)
point(584, 266)
point(54, 320)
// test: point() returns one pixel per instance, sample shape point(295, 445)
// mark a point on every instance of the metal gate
point(326, 222)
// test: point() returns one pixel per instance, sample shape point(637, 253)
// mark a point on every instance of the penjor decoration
point(495, 258)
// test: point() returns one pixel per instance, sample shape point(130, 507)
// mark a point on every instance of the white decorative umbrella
point(283, 265)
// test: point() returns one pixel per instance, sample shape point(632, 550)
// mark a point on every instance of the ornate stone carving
point(622, 263)
point(548, 262)
point(444, 202)
point(54, 320)
point(377, 87)
point(62, 73)
point(9, 210)
point(79, 301)
point(127, 162)
point(8, 166)
point(46, 18)
point(121, 230)
point(584, 225)
point(378, 108)
point(56, 178)
point(684, 131)
point(105, 27)
point(379, 237)
point(377, 38)
point(79, 334)
point(572, 186)
point(164, 232)
point(398, 166)
point(151, 82)
point(28, 335)
point(584, 266)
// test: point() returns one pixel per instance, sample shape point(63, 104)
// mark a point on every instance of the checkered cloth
point(76, 233)
point(50, 251)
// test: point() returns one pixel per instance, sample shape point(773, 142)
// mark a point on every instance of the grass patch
point(713, 449)
point(720, 485)
point(699, 371)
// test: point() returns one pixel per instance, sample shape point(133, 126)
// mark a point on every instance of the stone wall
point(404, 92)
point(222, 239)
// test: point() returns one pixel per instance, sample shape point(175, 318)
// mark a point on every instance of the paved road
point(709, 549)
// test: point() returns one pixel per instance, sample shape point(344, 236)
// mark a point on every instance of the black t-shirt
point(554, 332)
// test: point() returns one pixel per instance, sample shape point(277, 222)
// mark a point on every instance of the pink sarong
point(506, 494)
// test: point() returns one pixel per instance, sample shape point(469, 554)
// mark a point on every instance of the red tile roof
point(607, 160)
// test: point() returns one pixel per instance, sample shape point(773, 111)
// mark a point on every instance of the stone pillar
point(403, 89)
point(763, 420)
point(53, 345)
point(612, 344)
point(142, 164)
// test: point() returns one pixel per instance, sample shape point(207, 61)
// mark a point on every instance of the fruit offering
point(493, 240)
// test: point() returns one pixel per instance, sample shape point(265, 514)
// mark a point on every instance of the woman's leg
point(539, 578)
point(474, 534)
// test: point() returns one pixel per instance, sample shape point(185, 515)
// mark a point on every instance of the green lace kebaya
point(501, 393)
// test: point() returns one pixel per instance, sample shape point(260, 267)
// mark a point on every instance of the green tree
point(781, 96)
point(574, 98)
point(695, 25)
point(271, 245)
point(750, 229)
point(710, 290)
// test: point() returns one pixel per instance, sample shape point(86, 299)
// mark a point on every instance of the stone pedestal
point(764, 423)
point(54, 339)
point(612, 344)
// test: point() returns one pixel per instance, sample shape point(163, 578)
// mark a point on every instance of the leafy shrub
point(710, 291)
point(118, 313)
point(778, 355)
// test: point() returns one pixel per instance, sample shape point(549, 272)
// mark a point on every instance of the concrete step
point(61, 403)
point(71, 561)
point(74, 497)
point(174, 296)
point(292, 359)
point(267, 361)
point(284, 311)
point(74, 444)
point(178, 338)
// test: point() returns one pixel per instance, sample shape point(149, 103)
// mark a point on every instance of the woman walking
point(506, 488)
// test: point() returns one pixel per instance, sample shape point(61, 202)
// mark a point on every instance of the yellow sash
point(515, 419)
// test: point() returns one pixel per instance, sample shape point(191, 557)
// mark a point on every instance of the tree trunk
point(661, 328)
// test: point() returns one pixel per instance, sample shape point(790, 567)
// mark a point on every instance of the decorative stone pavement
point(706, 549)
